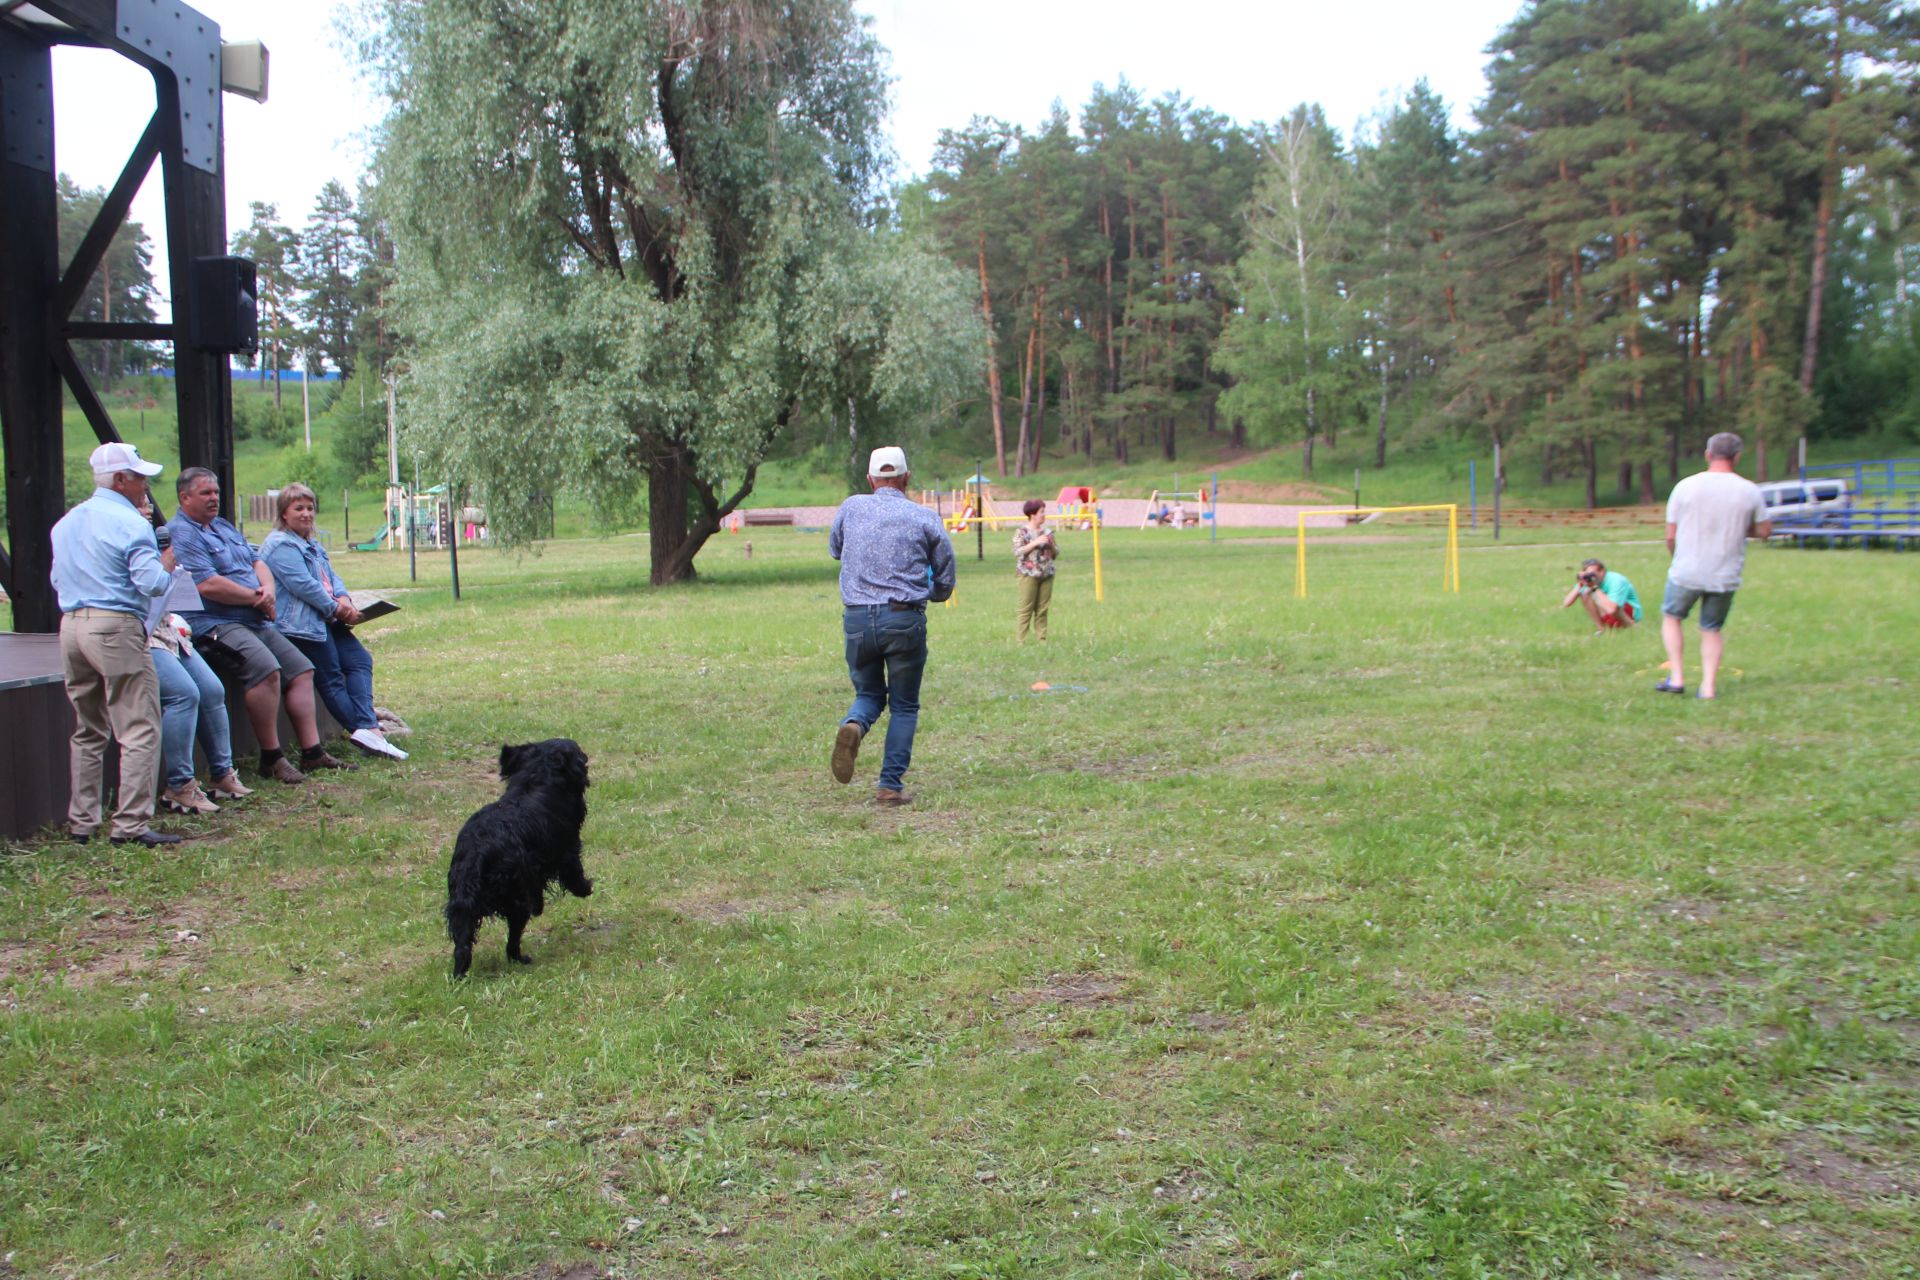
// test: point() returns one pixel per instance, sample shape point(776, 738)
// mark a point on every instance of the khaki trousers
point(1035, 595)
point(115, 694)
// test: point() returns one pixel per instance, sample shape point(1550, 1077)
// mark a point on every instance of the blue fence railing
point(1887, 475)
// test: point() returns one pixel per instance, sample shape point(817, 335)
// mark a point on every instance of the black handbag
point(222, 657)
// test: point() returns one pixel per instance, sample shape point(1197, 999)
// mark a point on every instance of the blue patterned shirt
point(216, 549)
point(105, 557)
point(889, 547)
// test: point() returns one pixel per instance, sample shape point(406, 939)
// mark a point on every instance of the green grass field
point(1383, 933)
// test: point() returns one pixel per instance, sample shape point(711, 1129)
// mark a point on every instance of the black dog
point(509, 850)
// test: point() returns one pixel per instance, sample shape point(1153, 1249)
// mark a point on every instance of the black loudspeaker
point(226, 306)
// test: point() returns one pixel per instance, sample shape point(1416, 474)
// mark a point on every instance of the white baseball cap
point(890, 460)
point(110, 459)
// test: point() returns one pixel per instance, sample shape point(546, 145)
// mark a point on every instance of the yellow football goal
point(1449, 567)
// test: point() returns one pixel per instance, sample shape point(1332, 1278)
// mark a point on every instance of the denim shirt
point(207, 551)
point(305, 584)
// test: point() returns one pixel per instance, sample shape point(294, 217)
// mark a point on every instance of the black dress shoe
point(80, 837)
point(152, 839)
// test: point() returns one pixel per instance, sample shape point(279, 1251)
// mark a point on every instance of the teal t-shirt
point(1617, 589)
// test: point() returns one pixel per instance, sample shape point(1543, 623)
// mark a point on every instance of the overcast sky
point(1247, 59)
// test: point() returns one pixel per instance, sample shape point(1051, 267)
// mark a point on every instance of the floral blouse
point(1036, 562)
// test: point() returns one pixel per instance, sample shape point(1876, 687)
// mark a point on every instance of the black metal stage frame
point(180, 47)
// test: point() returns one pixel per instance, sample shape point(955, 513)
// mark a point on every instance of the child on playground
point(1610, 600)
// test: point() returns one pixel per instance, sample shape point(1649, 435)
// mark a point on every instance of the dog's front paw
point(585, 890)
point(521, 959)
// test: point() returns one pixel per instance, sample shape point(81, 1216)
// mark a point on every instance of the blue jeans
point(192, 700)
point(342, 676)
point(886, 655)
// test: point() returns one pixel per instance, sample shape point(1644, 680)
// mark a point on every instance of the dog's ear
point(509, 760)
point(577, 767)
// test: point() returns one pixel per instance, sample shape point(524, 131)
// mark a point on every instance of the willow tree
point(631, 248)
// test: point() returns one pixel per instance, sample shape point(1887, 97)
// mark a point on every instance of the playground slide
point(373, 543)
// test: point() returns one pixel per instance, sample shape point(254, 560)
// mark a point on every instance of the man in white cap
point(894, 557)
point(107, 567)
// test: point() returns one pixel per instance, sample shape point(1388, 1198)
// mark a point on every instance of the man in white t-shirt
point(1710, 516)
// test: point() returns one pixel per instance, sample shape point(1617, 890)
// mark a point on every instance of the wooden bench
point(750, 518)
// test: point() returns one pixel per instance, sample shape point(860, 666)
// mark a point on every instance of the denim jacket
point(304, 584)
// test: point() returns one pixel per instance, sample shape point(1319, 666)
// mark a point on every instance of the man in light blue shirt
point(894, 557)
point(107, 567)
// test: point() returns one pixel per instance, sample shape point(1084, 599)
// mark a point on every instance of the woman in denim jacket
point(316, 614)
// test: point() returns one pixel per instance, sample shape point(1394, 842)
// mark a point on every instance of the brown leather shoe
point(284, 770)
point(324, 761)
point(846, 748)
point(891, 799)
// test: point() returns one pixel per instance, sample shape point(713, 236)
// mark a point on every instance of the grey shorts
point(246, 655)
point(1714, 605)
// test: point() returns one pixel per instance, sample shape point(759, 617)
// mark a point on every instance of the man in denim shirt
point(894, 556)
point(238, 603)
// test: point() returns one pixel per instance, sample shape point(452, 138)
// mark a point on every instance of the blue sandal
point(1668, 686)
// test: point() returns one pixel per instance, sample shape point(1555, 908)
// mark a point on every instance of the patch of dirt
point(1845, 1170)
point(112, 945)
point(1241, 492)
point(1211, 1022)
point(564, 1271)
point(1074, 990)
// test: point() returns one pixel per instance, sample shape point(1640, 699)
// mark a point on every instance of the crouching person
point(1610, 600)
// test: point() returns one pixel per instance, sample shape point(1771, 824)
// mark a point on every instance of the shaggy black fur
point(510, 850)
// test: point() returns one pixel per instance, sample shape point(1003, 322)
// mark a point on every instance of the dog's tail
point(462, 923)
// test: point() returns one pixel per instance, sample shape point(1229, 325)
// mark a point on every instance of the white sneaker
point(375, 743)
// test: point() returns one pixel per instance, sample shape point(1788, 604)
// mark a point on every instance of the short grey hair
point(1723, 444)
point(190, 477)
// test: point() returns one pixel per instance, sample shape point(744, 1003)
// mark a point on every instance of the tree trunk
point(1547, 475)
point(1239, 433)
point(1040, 387)
point(1592, 460)
point(1626, 476)
point(1823, 213)
point(676, 529)
point(1380, 437)
point(1166, 437)
point(1647, 494)
point(1026, 400)
point(669, 486)
point(993, 363)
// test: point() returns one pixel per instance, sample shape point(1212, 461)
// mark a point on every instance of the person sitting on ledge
point(233, 628)
point(317, 614)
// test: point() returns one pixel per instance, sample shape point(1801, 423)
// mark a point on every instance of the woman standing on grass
point(1034, 551)
point(316, 614)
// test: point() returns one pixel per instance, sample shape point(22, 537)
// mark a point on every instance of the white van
point(1804, 500)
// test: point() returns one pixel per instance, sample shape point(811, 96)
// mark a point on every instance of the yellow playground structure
point(972, 509)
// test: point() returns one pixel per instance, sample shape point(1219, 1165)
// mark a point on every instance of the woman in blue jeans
point(314, 611)
point(193, 703)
